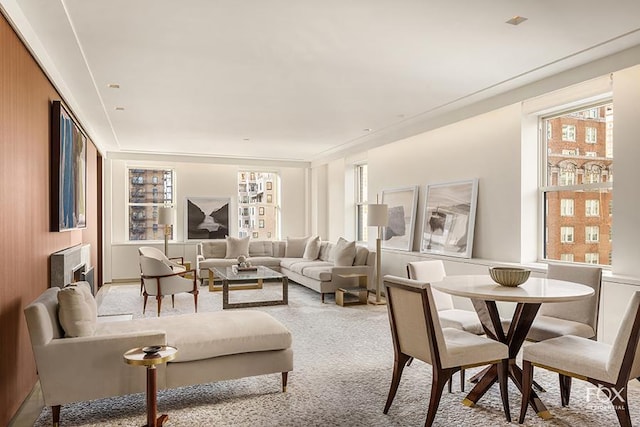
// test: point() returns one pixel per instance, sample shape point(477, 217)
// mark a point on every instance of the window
point(591, 233)
point(257, 189)
point(569, 133)
point(148, 190)
point(585, 178)
point(592, 207)
point(592, 258)
point(566, 207)
point(566, 257)
point(361, 202)
point(566, 234)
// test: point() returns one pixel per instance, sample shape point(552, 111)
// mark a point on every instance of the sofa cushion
point(290, 262)
point(325, 251)
point(312, 248)
point(260, 248)
point(295, 247)
point(266, 261)
point(237, 246)
point(301, 267)
point(344, 252)
point(77, 310)
point(205, 335)
point(214, 249)
point(322, 273)
point(279, 247)
point(362, 254)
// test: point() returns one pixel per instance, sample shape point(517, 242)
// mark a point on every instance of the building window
point(148, 190)
point(566, 234)
point(581, 178)
point(566, 207)
point(592, 258)
point(566, 257)
point(592, 207)
point(569, 133)
point(592, 234)
point(258, 189)
point(361, 184)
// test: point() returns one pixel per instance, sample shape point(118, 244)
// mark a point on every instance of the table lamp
point(378, 216)
point(165, 217)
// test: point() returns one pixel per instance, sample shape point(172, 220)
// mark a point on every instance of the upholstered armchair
point(417, 333)
point(159, 280)
point(607, 366)
point(152, 252)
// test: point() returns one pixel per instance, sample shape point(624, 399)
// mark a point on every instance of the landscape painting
point(402, 204)
point(207, 217)
point(449, 218)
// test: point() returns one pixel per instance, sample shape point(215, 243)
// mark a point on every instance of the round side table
point(137, 357)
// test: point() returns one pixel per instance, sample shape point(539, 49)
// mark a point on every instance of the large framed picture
point(402, 205)
point(449, 218)
point(206, 217)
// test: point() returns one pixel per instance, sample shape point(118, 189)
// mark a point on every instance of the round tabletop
point(136, 356)
point(534, 290)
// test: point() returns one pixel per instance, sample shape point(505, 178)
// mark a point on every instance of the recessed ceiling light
point(516, 20)
point(367, 129)
point(119, 108)
point(113, 86)
point(246, 139)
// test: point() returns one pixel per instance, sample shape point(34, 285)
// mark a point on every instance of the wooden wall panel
point(25, 239)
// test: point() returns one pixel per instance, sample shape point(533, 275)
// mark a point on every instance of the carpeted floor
point(342, 370)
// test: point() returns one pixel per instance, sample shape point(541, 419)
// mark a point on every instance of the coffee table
point(234, 279)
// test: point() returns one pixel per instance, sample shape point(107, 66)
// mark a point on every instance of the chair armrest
point(85, 368)
point(178, 257)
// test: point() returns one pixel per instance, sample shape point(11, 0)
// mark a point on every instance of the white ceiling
point(298, 79)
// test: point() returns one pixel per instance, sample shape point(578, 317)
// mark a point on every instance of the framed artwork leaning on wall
point(449, 218)
point(402, 205)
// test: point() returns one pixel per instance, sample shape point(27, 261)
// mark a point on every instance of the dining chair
point(152, 252)
point(607, 366)
point(159, 280)
point(579, 318)
point(417, 333)
point(450, 317)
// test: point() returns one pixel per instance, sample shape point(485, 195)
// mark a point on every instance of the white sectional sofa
point(79, 358)
point(308, 261)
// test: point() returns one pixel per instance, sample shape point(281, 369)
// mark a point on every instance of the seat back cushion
point(295, 247)
point(260, 248)
point(344, 252)
point(237, 246)
point(77, 310)
point(214, 249)
point(42, 318)
point(312, 248)
point(362, 254)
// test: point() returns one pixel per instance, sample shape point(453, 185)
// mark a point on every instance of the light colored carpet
point(342, 370)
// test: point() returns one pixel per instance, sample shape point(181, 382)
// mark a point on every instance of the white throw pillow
point(77, 310)
point(362, 254)
point(237, 246)
point(312, 248)
point(295, 247)
point(344, 252)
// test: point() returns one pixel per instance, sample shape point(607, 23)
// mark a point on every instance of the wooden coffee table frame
point(247, 283)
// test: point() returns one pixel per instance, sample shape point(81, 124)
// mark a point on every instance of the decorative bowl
point(509, 276)
point(152, 349)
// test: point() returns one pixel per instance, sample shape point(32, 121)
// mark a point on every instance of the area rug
point(342, 370)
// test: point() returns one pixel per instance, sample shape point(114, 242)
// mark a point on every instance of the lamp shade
point(165, 215)
point(377, 215)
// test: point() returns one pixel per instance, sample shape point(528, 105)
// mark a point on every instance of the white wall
point(193, 178)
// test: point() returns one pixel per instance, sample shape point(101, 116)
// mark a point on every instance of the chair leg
point(195, 300)
point(527, 376)
point(55, 412)
point(503, 378)
point(322, 297)
point(159, 298)
point(565, 389)
point(398, 366)
point(437, 386)
point(144, 304)
point(618, 399)
point(462, 380)
point(285, 376)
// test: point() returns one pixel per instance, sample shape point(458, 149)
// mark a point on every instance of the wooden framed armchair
point(176, 263)
point(159, 280)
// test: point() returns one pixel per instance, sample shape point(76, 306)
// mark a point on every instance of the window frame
point(360, 172)
point(156, 228)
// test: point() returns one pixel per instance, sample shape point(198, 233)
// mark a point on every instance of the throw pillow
point(344, 252)
point(312, 248)
point(77, 310)
point(295, 247)
point(362, 254)
point(237, 246)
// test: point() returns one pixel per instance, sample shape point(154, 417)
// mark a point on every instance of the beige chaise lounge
point(211, 347)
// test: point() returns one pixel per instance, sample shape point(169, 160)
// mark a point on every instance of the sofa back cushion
point(295, 247)
point(362, 254)
point(214, 248)
point(42, 318)
point(77, 310)
point(237, 246)
point(260, 248)
point(344, 252)
point(326, 249)
point(279, 247)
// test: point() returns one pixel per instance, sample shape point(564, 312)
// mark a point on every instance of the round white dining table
point(484, 293)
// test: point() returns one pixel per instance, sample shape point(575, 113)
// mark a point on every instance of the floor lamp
point(378, 216)
point(165, 217)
